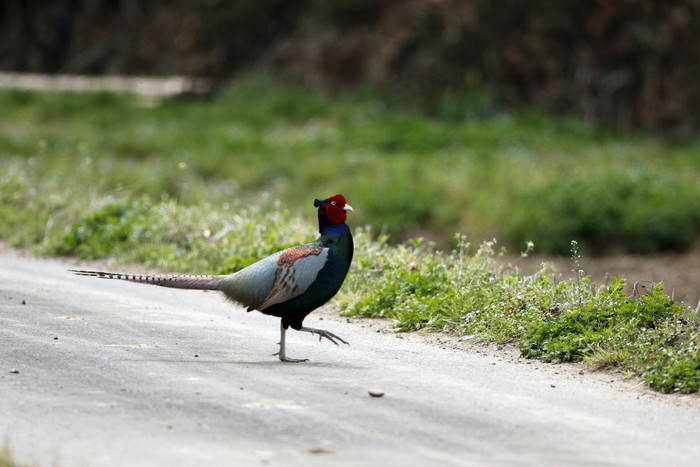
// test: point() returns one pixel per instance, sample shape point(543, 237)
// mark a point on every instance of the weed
point(462, 292)
point(611, 330)
point(675, 373)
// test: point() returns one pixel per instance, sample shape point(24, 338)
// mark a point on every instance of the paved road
point(114, 373)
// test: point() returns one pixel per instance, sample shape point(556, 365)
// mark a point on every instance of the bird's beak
point(347, 207)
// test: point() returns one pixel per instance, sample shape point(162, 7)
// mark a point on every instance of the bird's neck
point(328, 227)
point(332, 229)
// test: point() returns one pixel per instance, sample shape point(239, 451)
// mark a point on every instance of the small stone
point(375, 393)
point(14, 371)
point(319, 450)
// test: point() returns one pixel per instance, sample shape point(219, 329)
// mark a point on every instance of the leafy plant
point(675, 373)
point(463, 292)
point(615, 331)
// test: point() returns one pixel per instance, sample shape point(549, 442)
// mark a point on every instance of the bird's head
point(332, 210)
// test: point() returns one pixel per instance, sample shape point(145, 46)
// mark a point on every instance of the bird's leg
point(323, 333)
point(281, 353)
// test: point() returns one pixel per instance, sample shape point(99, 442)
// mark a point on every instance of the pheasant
point(289, 284)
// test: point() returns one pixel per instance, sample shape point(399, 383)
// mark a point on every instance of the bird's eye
point(332, 203)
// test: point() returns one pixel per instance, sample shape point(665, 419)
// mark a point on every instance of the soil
point(680, 272)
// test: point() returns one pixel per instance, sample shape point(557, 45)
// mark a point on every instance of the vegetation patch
point(615, 331)
point(167, 235)
point(636, 211)
point(472, 167)
point(481, 296)
point(676, 373)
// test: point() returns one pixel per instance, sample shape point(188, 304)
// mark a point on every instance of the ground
point(105, 372)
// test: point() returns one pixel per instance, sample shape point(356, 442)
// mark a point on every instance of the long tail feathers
point(177, 281)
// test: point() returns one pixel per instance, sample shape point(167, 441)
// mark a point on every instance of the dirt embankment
point(680, 272)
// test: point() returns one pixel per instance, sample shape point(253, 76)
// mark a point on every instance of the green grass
point(209, 186)
point(517, 175)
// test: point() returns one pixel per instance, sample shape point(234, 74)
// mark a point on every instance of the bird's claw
point(284, 358)
point(321, 334)
point(294, 360)
point(327, 334)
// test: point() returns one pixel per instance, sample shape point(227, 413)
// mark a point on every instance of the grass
point(517, 175)
point(209, 186)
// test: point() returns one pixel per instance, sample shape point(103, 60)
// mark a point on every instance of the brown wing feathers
point(176, 281)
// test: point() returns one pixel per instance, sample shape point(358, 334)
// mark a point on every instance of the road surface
point(97, 372)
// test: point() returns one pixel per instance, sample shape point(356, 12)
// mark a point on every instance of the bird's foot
point(282, 354)
point(292, 360)
point(323, 333)
point(284, 358)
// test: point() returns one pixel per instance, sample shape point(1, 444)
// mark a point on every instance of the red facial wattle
point(336, 208)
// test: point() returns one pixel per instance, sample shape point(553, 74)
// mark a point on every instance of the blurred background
point(632, 63)
point(535, 120)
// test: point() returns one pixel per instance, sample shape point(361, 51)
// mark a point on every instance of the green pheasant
point(289, 284)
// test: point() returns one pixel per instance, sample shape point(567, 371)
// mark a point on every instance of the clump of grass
point(554, 321)
point(609, 322)
point(676, 373)
point(455, 292)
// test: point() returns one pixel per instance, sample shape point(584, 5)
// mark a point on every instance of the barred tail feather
point(176, 281)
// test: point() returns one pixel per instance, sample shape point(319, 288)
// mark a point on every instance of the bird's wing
point(275, 279)
point(297, 269)
point(252, 284)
